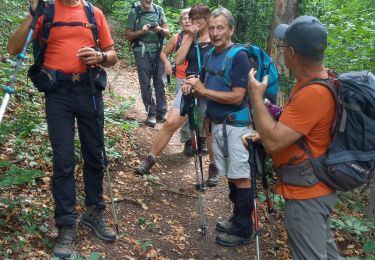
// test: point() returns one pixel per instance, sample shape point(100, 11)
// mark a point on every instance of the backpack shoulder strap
point(330, 84)
point(49, 12)
point(157, 11)
point(138, 13)
point(180, 36)
point(89, 9)
point(226, 66)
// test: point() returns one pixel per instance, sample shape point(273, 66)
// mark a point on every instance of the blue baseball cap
point(306, 34)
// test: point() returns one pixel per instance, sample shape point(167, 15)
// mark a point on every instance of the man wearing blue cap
point(308, 116)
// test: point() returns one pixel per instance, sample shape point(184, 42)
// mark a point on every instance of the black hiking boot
point(188, 149)
point(204, 146)
point(65, 242)
point(232, 240)
point(146, 165)
point(150, 121)
point(213, 176)
point(224, 226)
point(93, 218)
point(161, 119)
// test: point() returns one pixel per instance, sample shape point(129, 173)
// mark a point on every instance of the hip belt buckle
point(76, 77)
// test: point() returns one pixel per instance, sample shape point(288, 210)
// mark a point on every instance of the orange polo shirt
point(64, 41)
point(311, 112)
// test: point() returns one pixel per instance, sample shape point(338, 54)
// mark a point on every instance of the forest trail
point(158, 215)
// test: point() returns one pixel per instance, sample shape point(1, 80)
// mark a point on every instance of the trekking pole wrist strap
point(31, 11)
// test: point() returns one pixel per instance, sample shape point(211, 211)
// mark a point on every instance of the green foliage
point(145, 244)
point(351, 33)
point(76, 256)
point(13, 175)
point(24, 219)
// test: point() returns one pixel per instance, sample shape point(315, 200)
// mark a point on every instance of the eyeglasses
point(281, 46)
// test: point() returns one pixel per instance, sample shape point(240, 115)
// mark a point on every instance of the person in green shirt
point(146, 28)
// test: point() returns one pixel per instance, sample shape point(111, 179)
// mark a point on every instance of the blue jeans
point(65, 105)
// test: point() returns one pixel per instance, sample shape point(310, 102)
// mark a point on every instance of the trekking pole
point(105, 165)
point(9, 90)
point(197, 146)
point(253, 168)
point(260, 162)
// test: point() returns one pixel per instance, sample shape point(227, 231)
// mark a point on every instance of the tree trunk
point(371, 204)
point(285, 12)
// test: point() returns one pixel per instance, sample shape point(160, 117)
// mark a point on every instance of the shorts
point(236, 165)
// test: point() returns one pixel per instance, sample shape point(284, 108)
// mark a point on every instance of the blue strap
point(198, 53)
point(89, 9)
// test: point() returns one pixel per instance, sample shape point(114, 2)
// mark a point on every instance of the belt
point(72, 77)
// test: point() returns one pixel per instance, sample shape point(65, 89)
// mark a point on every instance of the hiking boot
point(224, 226)
point(93, 218)
point(65, 242)
point(213, 175)
point(232, 240)
point(146, 165)
point(204, 146)
point(151, 120)
point(188, 149)
point(161, 119)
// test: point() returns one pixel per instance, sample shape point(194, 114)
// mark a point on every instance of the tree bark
point(285, 12)
point(371, 204)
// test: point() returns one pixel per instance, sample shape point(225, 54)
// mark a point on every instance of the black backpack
point(350, 160)
point(45, 80)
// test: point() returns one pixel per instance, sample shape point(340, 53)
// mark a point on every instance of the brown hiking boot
point(213, 178)
point(65, 242)
point(146, 165)
point(93, 218)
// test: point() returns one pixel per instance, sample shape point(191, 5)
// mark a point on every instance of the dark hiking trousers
point(242, 223)
point(151, 67)
point(65, 105)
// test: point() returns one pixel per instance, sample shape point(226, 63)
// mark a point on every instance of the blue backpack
point(259, 59)
point(350, 160)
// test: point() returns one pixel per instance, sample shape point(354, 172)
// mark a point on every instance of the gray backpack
point(350, 160)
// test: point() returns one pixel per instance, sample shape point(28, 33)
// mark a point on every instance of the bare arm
point(18, 39)
point(275, 136)
point(168, 48)
point(132, 35)
point(234, 97)
point(182, 52)
point(90, 56)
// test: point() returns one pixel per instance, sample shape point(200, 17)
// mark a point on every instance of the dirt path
point(158, 216)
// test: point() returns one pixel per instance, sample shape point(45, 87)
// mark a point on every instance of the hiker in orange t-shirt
point(308, 114)
point(74, 44)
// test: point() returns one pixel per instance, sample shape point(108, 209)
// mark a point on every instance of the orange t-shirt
point(180, 69)
point(311, 112)
point(64, 41)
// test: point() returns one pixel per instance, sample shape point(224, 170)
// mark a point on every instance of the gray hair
point(226, 13)
point(183, 12)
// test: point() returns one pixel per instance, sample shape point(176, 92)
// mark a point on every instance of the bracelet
point(104, 57)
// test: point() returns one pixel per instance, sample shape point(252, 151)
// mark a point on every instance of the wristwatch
point(104, 57)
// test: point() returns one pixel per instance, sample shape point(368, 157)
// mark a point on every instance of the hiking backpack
point(350, 159)
point(259, 59)
point(40, 45)
point(138, 13)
